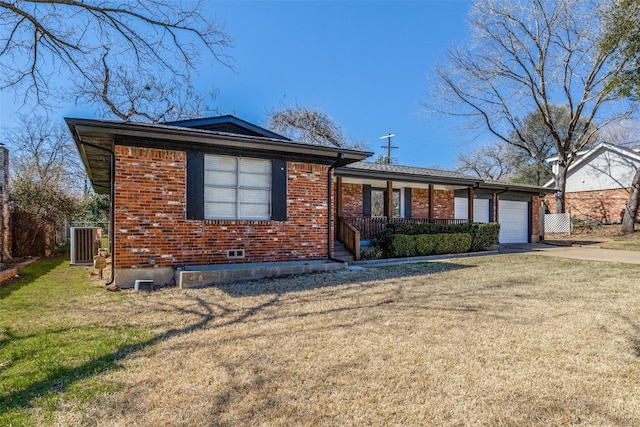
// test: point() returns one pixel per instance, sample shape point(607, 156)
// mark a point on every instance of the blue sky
point(363, 63)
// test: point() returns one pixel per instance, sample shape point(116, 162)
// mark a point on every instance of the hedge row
point(408, 239)
point(404, 245)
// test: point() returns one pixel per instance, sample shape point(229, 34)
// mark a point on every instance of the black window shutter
point(407, 202)
point(366, 200)
point(279, 190)
point(385, 202)
point(195, 185)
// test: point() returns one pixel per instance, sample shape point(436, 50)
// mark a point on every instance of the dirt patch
point(594, 234)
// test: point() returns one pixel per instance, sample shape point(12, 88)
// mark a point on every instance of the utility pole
point(388, 147)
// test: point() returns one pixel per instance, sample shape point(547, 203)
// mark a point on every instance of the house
point(598, 182)
point(208, 191)
point(220, 190)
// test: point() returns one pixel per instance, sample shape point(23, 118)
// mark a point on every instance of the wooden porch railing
point(350, 237)
point(370, 227)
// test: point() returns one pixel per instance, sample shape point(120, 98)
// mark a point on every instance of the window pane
point(220, 163)
point(259, 166)
point(396, 203)
point(254, 211)
point(377, 203)
point(225, 179)
point(255, 180)
point(220, 210)
point(217, 194)
point(255, 196)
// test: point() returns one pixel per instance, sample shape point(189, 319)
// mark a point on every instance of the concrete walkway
point(574, 252)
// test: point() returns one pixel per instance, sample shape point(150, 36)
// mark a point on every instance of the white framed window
point(237, 188)
point(378, 196)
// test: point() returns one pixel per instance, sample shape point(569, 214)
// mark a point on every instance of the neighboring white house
point(598, 182)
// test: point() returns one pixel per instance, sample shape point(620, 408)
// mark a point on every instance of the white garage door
point(481, 210)
point(514, 221)
point(461, 208)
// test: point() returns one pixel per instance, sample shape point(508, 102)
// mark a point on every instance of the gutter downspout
point(112, 205)
point(330, 207)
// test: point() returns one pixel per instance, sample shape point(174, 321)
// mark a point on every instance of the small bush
point(484, 235)
point(371, 252)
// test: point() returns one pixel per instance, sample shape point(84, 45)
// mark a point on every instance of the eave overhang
point(405, 177)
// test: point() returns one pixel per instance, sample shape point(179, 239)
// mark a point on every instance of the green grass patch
point(625, 245)
point(47, 356)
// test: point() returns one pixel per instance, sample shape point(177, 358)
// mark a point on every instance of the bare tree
point(492, 161)
point(622, 35)
point(311, 126)
point(44, 153)
point(528, 56)
point(136, 58)
point(47, 183)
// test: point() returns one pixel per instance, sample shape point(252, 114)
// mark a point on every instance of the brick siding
point(603, 205)
point(351, 200)
point(150, 201)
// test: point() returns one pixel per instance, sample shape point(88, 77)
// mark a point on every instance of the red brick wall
point(604, 205)
point(150, 219)
point(420, 203)
point(443, 204)
point(536, 202)
point(351, 199)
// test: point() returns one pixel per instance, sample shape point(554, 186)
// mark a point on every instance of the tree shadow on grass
point(310, 281)
point(59, 379)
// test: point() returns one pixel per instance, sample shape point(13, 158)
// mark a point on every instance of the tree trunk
point(631, 210)
point(561, 186)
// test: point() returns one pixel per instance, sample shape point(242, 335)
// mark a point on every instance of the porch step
point(341, 253)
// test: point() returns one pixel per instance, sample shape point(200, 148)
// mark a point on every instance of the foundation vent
point(235, 253)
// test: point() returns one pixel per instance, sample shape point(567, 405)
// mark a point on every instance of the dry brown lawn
point(508, 340)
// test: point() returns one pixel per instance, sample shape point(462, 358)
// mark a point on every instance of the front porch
point(352, 231)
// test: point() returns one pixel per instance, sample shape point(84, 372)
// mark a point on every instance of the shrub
point(426, 244)
point(453, 243)
point(403, 245)
point(483, 235)
point(431, 239)
point(371, 252)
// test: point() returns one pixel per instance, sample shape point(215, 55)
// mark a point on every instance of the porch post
point(389, 212)
point(431, 207)
point(338, 196)
point(470, 203)
point(338, 211)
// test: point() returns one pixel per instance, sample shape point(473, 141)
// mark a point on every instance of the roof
point(586, 156)
point(95, 140)
point(393, 172)
point(227, 124)
point(409, 173)
point(512, 186)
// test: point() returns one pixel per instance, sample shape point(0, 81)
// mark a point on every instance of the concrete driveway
point(574, 252)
